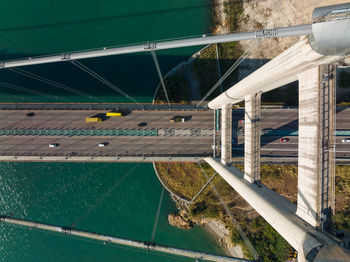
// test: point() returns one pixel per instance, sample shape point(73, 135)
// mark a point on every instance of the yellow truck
point(93, 119)
point(114, 114)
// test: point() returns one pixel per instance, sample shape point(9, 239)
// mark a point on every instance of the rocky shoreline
point(214, 227)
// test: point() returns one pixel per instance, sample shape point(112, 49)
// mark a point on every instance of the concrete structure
point(280, 71)
point(226, 134)
point(252, 138)
point(276, 210)
point(329, 43)
point(314, 141)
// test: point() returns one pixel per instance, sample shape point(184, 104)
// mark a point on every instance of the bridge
point(311, 61)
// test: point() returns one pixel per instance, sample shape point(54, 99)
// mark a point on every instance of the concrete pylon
point(315, 137)
point(226, 134)
point(252, 138)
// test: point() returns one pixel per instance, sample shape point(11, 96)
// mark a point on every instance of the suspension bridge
point(206, 131)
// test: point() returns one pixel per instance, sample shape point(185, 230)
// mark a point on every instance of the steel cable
point(103, 80)
point(52, 83)
point(23, 89)
point(100, 200)
point(235, 222)
point(155, 60)
point(231, 69)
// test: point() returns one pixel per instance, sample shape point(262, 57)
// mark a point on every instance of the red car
point(284, 139)
point(241, 121)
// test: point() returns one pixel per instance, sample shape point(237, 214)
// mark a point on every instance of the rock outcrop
point(180, 221)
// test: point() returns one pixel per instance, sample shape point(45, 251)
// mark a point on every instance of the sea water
point(119, 199)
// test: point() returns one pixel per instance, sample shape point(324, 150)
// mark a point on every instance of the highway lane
point(272, 146)
point(117, 146)
point(193, 137)
point(288, 118)
point(75, 119)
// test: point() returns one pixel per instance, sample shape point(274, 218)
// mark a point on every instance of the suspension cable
point(52, 83)
point(102, 198)
point(232, 68)
point(155, 60)
point(23, 89)
point(103, 80)
point(235, 222)
point(157, 216)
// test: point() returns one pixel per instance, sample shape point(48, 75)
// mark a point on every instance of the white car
point(102, 144)
point(54, 145)
point(346, 140)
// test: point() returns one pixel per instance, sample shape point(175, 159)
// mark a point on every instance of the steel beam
point(161, 45)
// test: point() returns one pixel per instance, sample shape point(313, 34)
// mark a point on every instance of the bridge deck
point(33, 134)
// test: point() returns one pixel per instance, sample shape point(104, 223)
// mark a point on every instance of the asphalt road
point(191, 138)
point(286, 119)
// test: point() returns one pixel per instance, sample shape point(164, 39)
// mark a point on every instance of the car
point(142, 124)
point(241, 120)
point(346, 140)
point(54, 145)
point(103, 144)
point(178, 119)
point(31, 114)
point(284, 139)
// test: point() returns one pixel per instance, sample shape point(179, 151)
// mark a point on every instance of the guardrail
point(78, 132)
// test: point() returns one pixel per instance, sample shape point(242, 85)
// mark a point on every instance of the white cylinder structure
point(278, 212)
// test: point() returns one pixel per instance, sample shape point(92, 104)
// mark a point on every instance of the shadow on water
point(113, 18)
point(135, 74)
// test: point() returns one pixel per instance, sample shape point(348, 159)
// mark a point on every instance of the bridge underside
point(27, 138)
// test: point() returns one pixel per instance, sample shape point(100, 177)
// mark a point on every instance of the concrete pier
point(315, 127)
point(226, 134)
point(252, 138)
point(309, 146)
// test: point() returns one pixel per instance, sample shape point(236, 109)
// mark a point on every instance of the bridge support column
point(315, 137)
point(226, 134)
point(252, 138)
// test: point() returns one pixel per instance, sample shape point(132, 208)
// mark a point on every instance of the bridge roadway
point(286, 119)
point(191, 138)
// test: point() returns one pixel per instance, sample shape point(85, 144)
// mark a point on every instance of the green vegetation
point(342, 197)
point(270, 245)
point(178, 90)
point(233, 10)
point(186, 179)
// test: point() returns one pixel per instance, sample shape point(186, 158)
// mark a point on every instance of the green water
point(118, 199)
point(32, 28)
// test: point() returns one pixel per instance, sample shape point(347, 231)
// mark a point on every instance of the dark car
point(284, 139)
point(31, 114)
point(142, 124)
